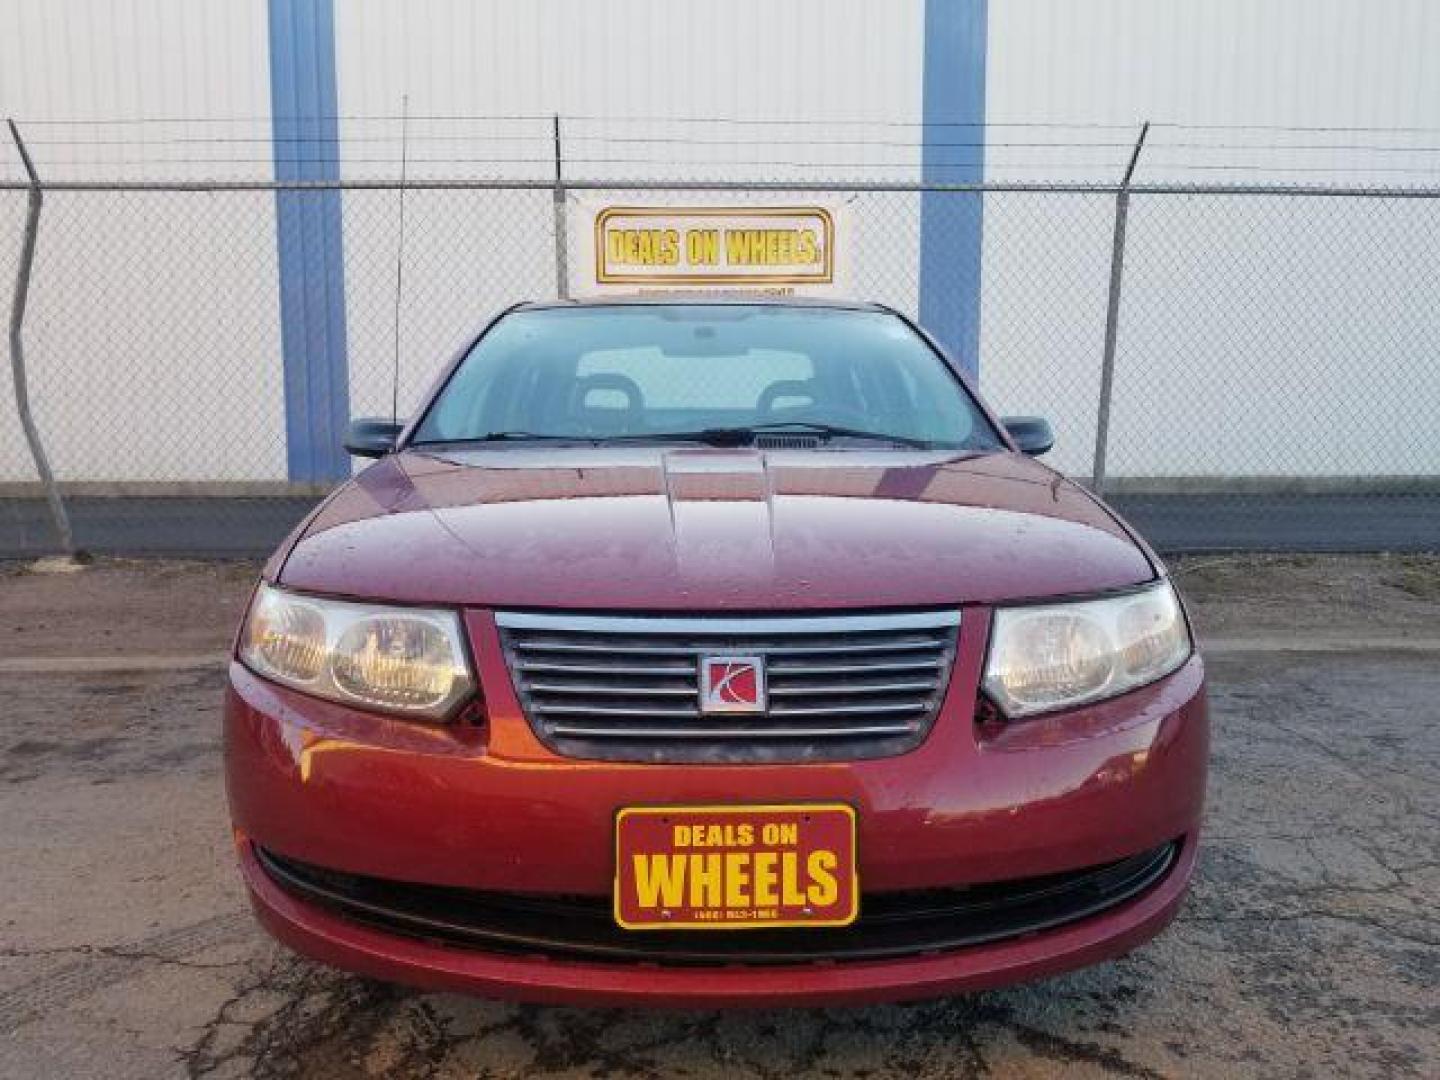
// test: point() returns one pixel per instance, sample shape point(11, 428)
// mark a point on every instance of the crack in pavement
point(321, 1023)
point(104, 966)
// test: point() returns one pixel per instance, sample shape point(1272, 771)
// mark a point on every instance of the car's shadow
point(315, 1022)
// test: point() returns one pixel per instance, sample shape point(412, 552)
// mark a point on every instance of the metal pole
point(1112, 316)
point(562, 268)
point(17, 348)
point(400, 255)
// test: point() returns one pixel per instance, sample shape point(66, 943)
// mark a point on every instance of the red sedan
point(718, 652)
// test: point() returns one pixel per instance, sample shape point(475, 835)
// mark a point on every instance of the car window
point(634, 371)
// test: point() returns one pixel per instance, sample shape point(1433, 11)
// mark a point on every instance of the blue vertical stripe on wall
point(312, 271)
point(951, 225)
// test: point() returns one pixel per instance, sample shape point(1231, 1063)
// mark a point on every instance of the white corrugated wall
point(154, 330)
point(152, 334)
point(1256, 335)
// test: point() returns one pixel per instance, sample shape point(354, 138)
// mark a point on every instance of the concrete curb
point(110, 665)
point(1318, 646)
point(1213, 647)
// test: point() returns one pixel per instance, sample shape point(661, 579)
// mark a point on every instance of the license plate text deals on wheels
point(733, 867)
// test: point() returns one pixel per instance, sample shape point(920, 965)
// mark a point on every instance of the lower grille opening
point(890, 924)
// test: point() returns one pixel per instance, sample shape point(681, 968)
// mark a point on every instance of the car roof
point(728, 300)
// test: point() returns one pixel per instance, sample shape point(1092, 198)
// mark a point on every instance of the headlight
point(406, 660)
point(1057, 656)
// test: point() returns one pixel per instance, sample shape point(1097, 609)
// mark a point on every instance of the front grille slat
point(616, 688)
point(867, 709)
point(612, 710)
point(881, 668)
point(854, 688)
point(606, 690)
point(778, 650)
point(592, 647)
point(593, 731)
point(546, 668)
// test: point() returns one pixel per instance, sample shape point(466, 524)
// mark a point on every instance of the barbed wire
point(1434, 170)
point(548, 118)
point(548, 138)
point(1064, 149)
point(766, 121)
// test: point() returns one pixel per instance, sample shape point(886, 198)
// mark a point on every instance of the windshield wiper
point(746, 435)
point(503, 436)
point(716, 436)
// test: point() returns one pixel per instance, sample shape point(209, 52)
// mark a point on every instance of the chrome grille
point(626, 688)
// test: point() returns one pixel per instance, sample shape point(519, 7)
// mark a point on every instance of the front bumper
point(490, 808)
point(315, 932)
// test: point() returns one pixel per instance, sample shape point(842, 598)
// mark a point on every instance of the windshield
point(644, 372)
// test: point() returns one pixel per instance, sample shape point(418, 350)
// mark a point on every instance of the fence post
point(562, 267)
point(1112, 316)
point(400, 256)
point(17, 348)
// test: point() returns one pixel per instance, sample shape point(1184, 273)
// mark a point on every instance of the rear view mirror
point(701, 342)
point(1032, 434)
point(372, 437)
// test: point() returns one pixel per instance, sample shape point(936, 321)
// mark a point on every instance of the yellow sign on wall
point(784, 249)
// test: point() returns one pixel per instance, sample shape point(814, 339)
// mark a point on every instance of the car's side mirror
point(372, 437)
point(1032, 434)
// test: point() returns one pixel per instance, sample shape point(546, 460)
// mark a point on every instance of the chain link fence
point(1275, 367)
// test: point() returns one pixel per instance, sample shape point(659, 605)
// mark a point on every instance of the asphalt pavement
point(1310, 945)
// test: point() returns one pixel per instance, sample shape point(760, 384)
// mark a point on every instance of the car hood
point(710, 529)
